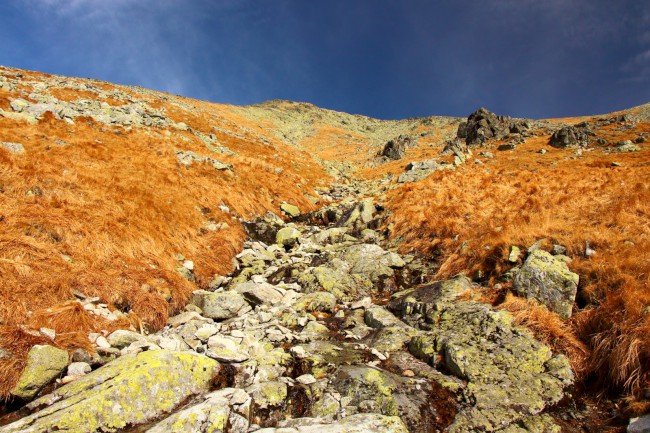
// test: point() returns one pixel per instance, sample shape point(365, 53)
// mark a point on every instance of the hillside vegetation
point(137, 197)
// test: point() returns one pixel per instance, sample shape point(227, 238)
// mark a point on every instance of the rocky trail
point(322, 326)
point(319, 329)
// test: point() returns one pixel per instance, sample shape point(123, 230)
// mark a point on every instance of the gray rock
point(483, 125)
point(639, 425)
point(226, 349)
point(396, 148)
point(548, 280)
point(79, 369)
point(570, 136)
point(122, 338)
point(220, 305)
point(12, 147)
point(317, 301)
point(19, 105)
point(379, 317)
point(259, 293)
point(44, 363)
point(209, 416)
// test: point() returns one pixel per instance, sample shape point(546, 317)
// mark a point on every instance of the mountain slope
point(137, 197)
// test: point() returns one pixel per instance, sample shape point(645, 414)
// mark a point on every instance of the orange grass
point(467, 221)
point(106, 210)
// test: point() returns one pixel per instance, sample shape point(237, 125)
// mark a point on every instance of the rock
point(259, 293)
point(79, 369)
point(361, 216)
point(510, 374)
point(220, 305)
point(185, 317)
point(371, 260)
point(211, 415)
point(44, 363)
point(515, 252)
point(396, 148)
point(507, 146)
point(268, 394)
point(287, 237)
point(122, 338)
point(483, 125)
point(290, 209)
point(226, 349)
point(368, 389)
point(626, 146)
point(306, 379)
point(359, 423)
point(379, 317)
point(19, 105)
point(639, 425)
point(317, 301)
point(558, 250)
point(264, 228)
point(12, 147)
point(548, 280)
point(570, 136)
point(131, 390)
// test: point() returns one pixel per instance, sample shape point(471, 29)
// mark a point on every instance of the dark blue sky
point(387, 59)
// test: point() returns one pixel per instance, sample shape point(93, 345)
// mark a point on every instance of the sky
point(388, 59)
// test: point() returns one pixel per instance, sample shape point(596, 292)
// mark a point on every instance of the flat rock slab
point(132, 390)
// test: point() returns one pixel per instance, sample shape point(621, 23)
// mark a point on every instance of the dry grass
point(469, 219)
point(106, 210)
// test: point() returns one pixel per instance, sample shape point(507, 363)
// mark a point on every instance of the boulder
point(483, 125)
point(287, 237)
point(548, 280)
point(264, 228)
point(290, 209)
point(367, 389)
point(396, 148)
point(226, 349)
point(258, 293)
point(220, 305)
point(317, 301)
point(571, 136)
point(132, 390)
point(44, 363)
point(122, 338)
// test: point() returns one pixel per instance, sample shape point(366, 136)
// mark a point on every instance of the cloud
point(637, 69)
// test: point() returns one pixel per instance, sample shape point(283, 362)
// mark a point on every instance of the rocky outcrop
point(483, 125)
point(132, 390)
point(509, 374)
point(577, 135)
point(547, 279)
point(396, 148)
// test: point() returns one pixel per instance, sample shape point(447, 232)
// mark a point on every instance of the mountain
point(123, 209)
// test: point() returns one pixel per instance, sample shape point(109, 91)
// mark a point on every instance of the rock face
point(548, 280)
point(131, 390)
point(44, 363)
point(578, 135)
point(483, 125)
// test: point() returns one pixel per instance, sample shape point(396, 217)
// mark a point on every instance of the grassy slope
point(116, 201)
point(469, 219)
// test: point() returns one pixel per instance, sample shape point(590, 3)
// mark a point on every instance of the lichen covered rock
point(132, 390)
point(44, 363)
point(547, 279)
